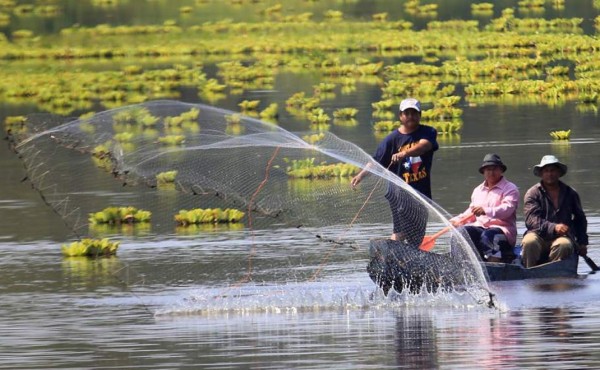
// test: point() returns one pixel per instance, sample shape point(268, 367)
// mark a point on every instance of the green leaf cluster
point(307, 169)
point(166, 177)
point(119, 215)
point(90, 248)
point(208, 215)
point(561, 134)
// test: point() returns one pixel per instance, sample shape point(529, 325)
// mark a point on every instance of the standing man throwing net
point(407, 152)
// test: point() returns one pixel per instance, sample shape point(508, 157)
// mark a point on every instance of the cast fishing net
point(170, 169)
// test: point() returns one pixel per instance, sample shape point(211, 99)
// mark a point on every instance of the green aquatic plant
point(318, 116)
point(307, 169)
point(213, 86)
point(102, 157)
point(120, 215)
point(380, 17)
point(323, 87)
point(561, 134)
point(90, 248)
point(233, 119)
point(24, 9)
point(171, 140)
point(183, 119)
point(166, 177)
point(270, 112)
point(4, 19)
point(22, 34)
point(345, 113)
point(482, 7)
point(334, 15)
point(383, 104)
point(313, 138)
point(135, 115)
point(249, 105)
point(345, 122)
point(15, 120)
point(446, 127)
point(124, 137)
point(209, 215)
point(462, 25)
point(386, 126)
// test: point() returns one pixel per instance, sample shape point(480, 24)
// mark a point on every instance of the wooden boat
point(560, 269)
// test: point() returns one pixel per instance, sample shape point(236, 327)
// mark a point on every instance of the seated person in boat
point(555, 221)
point(494, 208)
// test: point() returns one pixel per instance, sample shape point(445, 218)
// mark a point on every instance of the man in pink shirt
point(494, 206)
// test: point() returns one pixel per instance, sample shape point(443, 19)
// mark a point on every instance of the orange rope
point(248, 276)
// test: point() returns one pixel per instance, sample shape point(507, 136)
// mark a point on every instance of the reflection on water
point(77, 313)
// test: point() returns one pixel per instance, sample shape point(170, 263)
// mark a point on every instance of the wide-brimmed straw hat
point(549, 160)
point(492, 160)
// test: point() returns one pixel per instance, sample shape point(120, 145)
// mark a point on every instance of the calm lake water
point(155, 305)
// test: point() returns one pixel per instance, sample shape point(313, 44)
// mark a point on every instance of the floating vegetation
point(124, 137)
point(208, 216)
point(249, 105)
point(90, 248)
point(314, 138)
point(11, 121)
point(446, 127)
point(318, 116)
point(345, 122)
point(383, 104)
point(183, 119)
point(171, 140)
point(482, 7)
point(307, 169)
point(195, 229)
point(345, 113)
point(233, 119)
point(386, 126)
point(270, 112)
point(135, 116)
point(167, 177)
point(494, 60)
point(102, 158)
point(120, 215)
point(561, 134)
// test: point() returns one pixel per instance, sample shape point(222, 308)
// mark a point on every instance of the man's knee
point(531, 249)
point(531, 242)
point(561, 248)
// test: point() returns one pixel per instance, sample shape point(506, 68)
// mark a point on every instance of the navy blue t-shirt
point(415, 171)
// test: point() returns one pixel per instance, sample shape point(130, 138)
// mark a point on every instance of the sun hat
point(492, 159)
point(410, 103)
point(546, 161)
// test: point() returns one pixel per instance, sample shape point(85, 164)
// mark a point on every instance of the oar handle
point(429, 241)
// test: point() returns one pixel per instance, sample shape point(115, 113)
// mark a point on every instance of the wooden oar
point(429, 240)
point(587, 259)
point(591, 263)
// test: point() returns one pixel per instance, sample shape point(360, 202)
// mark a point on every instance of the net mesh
point(167, 157)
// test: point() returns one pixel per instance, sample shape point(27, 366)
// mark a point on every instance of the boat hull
point(560, 269)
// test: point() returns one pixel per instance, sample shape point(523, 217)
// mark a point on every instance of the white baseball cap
point(410, 103)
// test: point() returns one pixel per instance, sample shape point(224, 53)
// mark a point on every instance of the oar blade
point(427, 244)
point(591, 263)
